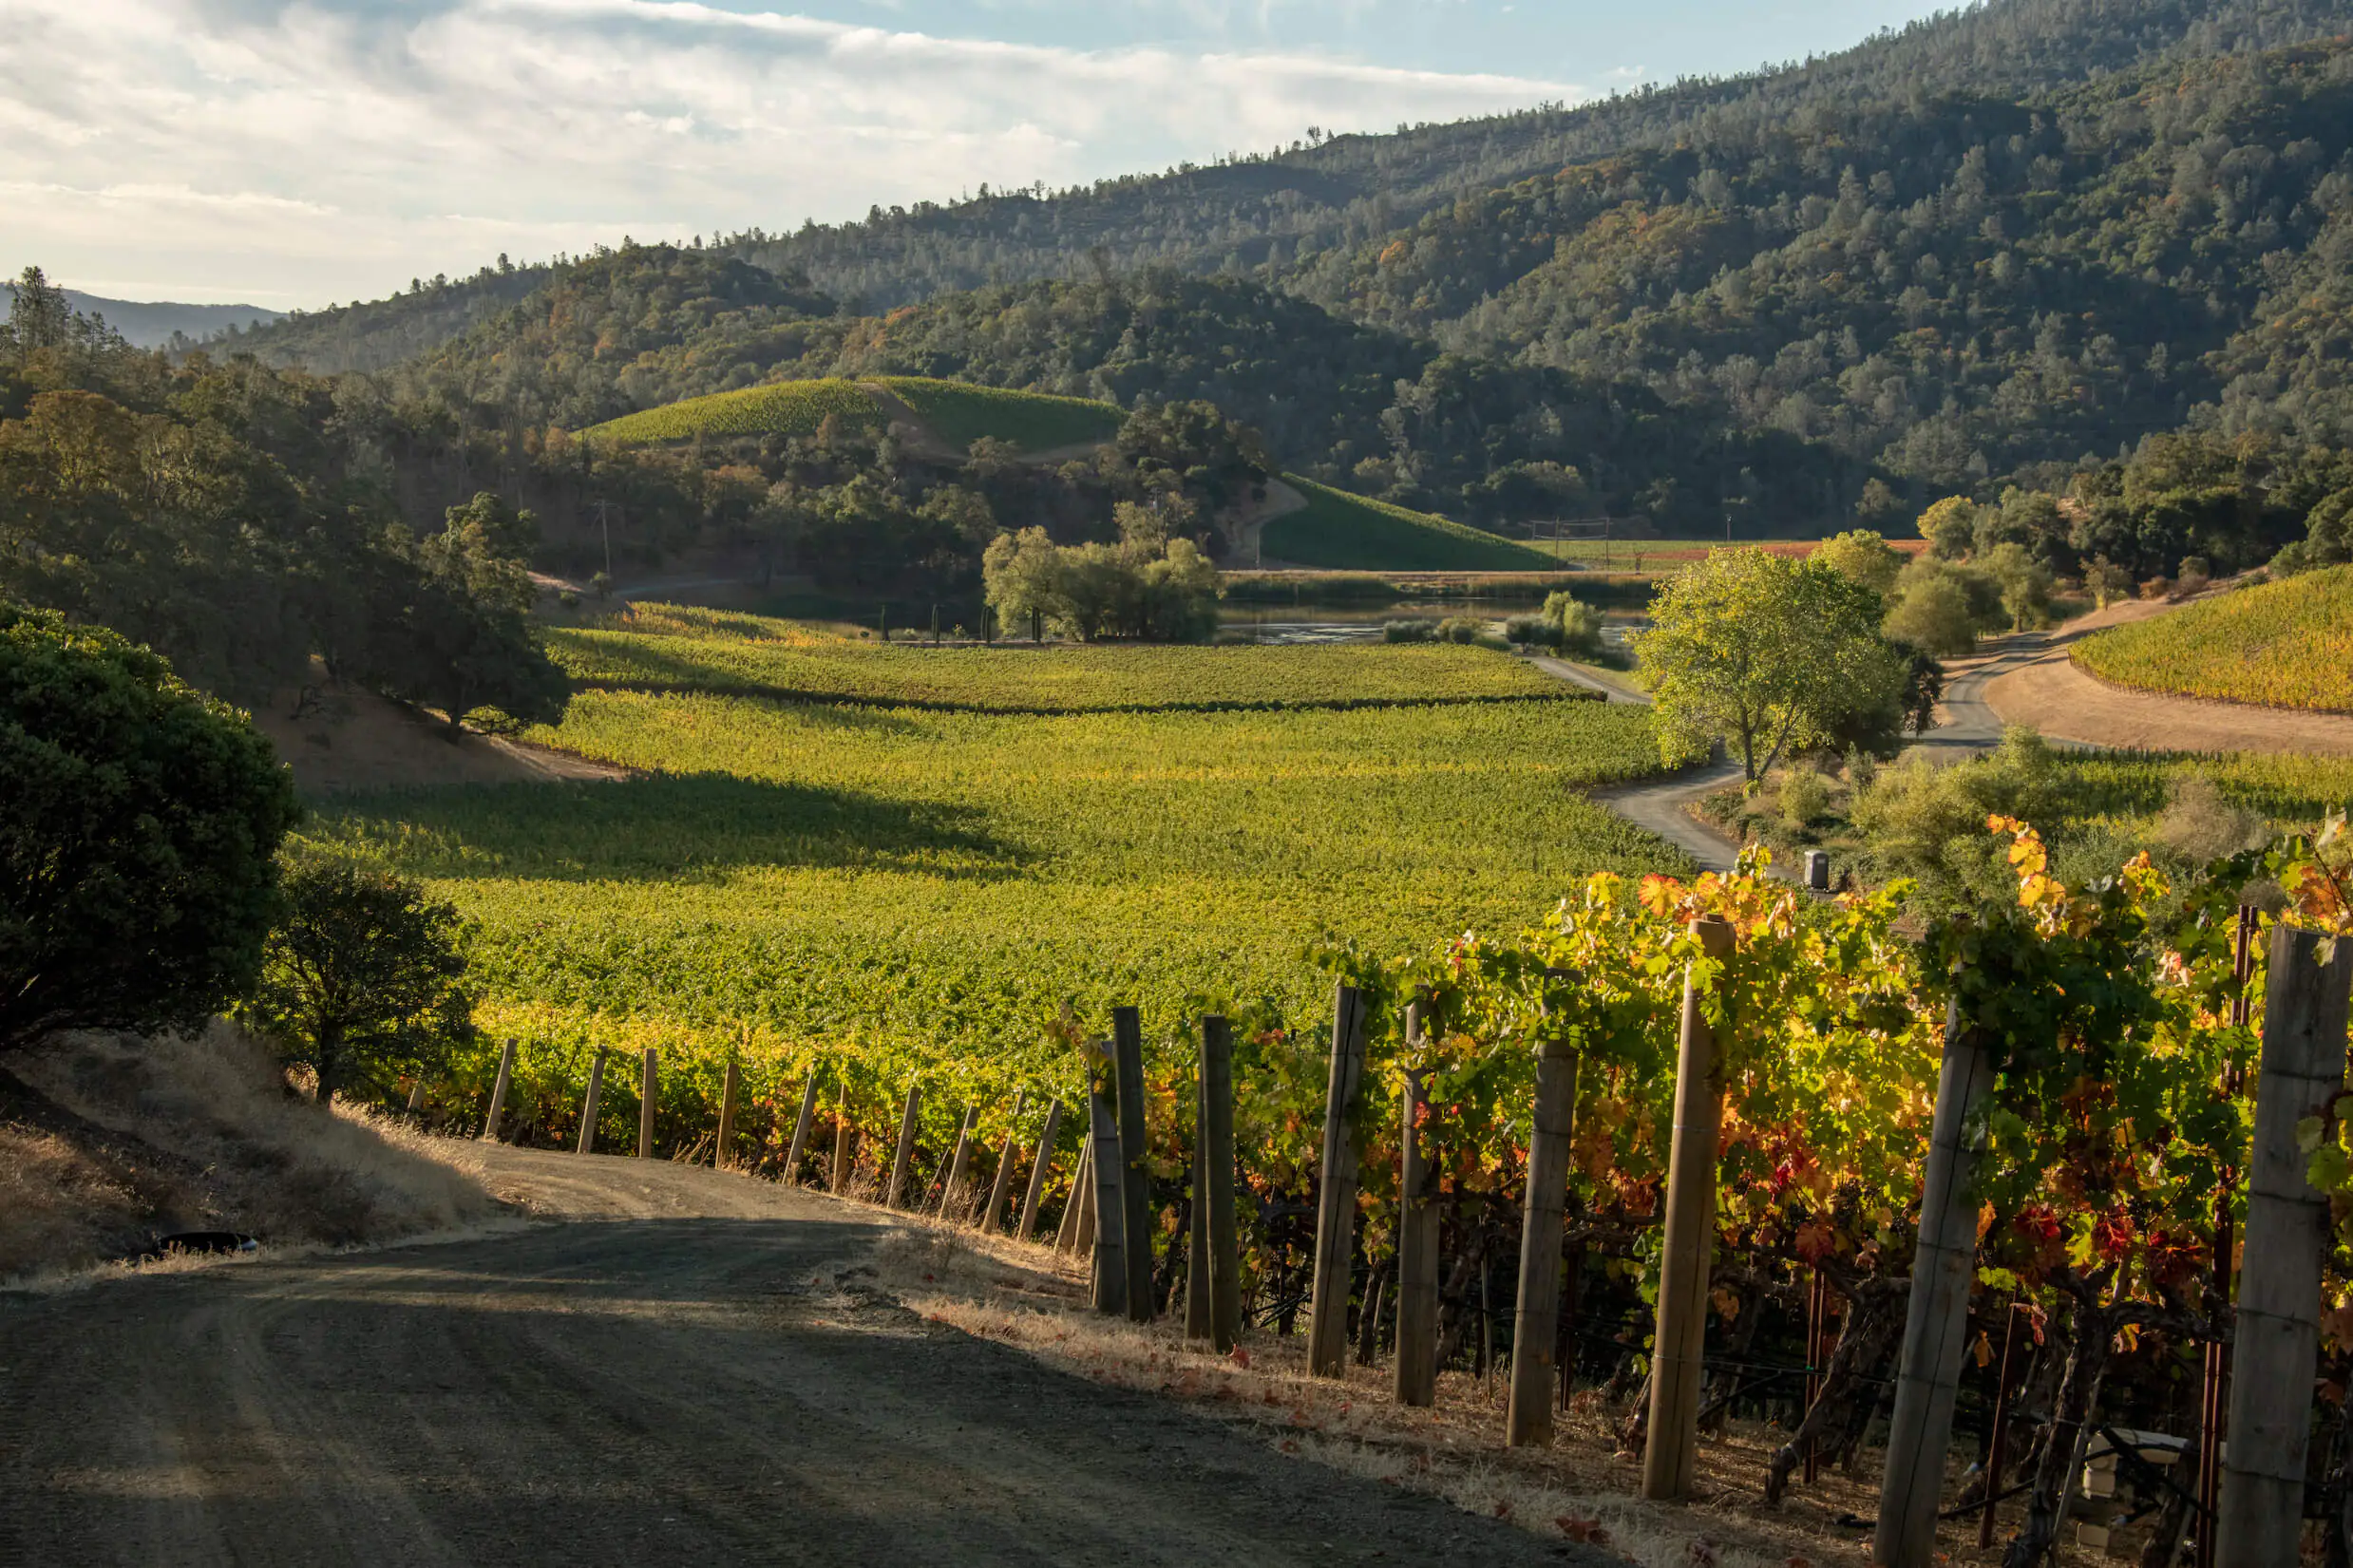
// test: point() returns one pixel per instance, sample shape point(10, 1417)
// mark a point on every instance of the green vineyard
point(693, 651)
point(784, 408)
point(796, 880)
point(2284, 644)
point(960, 413)
point(1356, 532)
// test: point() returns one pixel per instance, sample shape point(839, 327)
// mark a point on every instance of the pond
point(1311, 622)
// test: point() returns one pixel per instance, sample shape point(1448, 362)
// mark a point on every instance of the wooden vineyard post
point(1217, 1153)
point(1002, 1184)
point(1078, 1231)
point(799, 1131)
point(588, 1110)
point(648, 1067)
point(1535, 1325)
point(905, 1151)
point(1936, 1323)
point(2276, 1343)
point(1110, 1293)
point(1336, 1206)
point(1197, 1228)
point(1814, 1287)
point(2214, 1398)
point(723, 1157)
point(1369, 1318)
point(1999, 1441)
point(1417, 1240)
point(1136, 1176)
point(498, 1093)
point(1676, 1372)
point(1038, 1173)
point(842, 1138)
point(955, 1162)
point(416, 1097)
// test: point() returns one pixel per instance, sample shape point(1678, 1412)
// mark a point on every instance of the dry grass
point(1582, 1487)
point(206, 1134)
point(57, 1204)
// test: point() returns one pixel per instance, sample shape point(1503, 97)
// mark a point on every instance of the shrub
point(1416, 628)
point(1804, 797)
point(1461, 628)
point(1579, 624)
point(1531, 631)
point(2107, 583)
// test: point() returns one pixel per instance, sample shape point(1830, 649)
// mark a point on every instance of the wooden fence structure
point(2249, 1505)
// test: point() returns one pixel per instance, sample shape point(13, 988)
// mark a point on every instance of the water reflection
point(1342, 623)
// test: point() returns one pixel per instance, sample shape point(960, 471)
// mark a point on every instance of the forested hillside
point(244, 521)
point(1949, 288)
point(1261, 211)
point(1943, 260)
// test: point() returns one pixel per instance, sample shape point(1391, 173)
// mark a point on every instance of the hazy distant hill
point(151, 324)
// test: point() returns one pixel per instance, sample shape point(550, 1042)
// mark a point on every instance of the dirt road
point(688, 1370)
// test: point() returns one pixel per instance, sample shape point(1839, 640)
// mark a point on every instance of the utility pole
point(605, 521)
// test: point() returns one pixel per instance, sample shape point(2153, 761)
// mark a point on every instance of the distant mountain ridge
point(153, 324)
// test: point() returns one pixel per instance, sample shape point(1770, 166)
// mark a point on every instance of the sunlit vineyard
point(697, 652)
point(785, 408)
point(2283, 644)
point(921, 892)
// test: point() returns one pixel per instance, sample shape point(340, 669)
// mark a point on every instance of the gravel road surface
point(686, 1369)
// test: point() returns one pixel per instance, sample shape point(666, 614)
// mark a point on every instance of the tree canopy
point(1767, 653)
point(137, 870)
point(364, 978)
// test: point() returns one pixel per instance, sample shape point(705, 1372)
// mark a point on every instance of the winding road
point(687, 1367)
point(1967, 726)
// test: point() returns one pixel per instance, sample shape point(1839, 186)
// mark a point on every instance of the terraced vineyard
point(786, 409)
point(921, 891)
point(2286, 644)
point(694, 652)
point(1338, 530)
point(959, 413)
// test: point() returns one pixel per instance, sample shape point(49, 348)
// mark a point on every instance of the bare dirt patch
point(344, 741)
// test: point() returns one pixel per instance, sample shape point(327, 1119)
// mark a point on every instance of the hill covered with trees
point(1994, 248)
point(1261, 211)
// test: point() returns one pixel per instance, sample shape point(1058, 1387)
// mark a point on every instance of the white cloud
point(295, 152)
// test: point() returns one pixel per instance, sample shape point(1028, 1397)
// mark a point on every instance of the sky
point(302, 154)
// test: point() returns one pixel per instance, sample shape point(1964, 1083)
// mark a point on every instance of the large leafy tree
point(365, 977)
point(136, 844)
point(1765, 653)
point(466, 640)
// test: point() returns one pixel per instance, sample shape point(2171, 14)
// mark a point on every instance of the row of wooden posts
point(2255, 1523)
